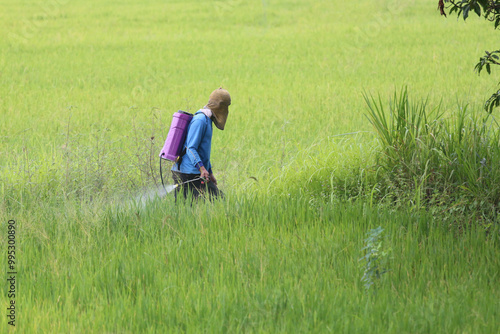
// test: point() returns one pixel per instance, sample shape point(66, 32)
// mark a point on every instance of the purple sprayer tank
point(176, 136)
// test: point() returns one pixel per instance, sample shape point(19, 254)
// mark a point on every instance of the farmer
point(195, 162)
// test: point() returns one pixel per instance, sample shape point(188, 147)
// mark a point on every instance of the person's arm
point(205, 174)
point(193, 140)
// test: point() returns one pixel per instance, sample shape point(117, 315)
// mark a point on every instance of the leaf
point(466, 12)
point(488, 69)
point(492, 102)
point(478, 67)
point(477, 9)
point(484, 4)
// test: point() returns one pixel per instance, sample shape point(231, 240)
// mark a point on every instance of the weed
point(375, 260)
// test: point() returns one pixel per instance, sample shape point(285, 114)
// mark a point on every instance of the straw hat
point(218, 103)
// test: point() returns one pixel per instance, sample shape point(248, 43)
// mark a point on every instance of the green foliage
point(431, 161)
point(491, 11)
point(403, 129)
point(375, 259)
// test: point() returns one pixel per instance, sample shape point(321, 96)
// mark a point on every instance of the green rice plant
point(250, 263)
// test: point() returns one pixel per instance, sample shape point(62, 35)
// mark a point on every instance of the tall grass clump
point(441, 161)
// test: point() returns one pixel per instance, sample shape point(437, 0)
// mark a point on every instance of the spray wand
point(170, 188)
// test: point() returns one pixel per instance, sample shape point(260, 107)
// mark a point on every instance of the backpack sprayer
point(174, 148)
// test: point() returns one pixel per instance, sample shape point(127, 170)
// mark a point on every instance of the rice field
point(87, 93)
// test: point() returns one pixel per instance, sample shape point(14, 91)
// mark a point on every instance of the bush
point(444, 164)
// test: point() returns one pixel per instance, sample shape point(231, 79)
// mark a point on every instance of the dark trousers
point(196, 188)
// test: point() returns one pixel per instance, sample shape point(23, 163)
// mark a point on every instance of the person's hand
point(212, 179)
point(204, 173)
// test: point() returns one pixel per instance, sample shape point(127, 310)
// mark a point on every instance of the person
point(195, 163)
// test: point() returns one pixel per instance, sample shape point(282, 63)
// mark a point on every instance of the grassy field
point(87, 92)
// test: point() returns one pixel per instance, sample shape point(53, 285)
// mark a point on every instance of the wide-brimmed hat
point(218, 103)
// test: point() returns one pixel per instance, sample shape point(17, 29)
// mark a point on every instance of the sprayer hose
point(161, 176)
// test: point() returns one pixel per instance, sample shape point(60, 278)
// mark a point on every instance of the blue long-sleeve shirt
point(198, 145)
